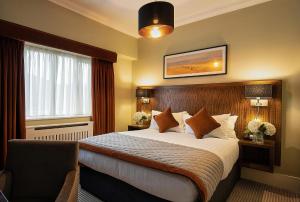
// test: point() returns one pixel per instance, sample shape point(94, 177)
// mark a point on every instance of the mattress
point(162, 184)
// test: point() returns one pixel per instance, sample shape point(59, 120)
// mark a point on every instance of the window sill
point(58, 117)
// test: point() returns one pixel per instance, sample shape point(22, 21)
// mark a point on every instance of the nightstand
point(137, 127)
point(257, 156)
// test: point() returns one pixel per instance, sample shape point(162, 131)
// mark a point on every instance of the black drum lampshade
point(258, 91)
point(144, 95)
point(156, 19)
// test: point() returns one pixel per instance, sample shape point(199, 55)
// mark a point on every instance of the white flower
point(270, 129)
point(138, 116)
point(254, 125)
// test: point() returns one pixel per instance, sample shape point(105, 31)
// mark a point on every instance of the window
point(57, 83)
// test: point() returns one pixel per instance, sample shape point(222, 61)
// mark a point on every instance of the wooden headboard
point(220, 98)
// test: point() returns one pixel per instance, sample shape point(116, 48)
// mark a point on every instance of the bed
point(115, 178)
point(160, 184)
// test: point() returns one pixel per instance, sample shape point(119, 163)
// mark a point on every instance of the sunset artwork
point(211, 61)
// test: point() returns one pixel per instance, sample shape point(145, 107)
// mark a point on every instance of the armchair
point(41, 171)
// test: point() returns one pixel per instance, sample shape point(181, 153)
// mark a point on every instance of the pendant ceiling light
point(156, 19)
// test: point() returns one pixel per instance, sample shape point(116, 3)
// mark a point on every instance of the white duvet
point(165, 185)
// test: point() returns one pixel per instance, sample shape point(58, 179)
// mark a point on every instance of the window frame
point(31, 118)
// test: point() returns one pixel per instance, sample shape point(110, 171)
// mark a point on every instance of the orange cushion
point(202, 123)
point(165, 120)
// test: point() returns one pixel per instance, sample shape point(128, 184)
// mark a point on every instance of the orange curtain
point(12, 93)
point(103, 96)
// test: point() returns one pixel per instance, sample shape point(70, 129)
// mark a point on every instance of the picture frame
point(197, 63)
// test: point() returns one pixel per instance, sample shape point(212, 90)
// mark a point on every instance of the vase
point(258, 138)
point(141, 122)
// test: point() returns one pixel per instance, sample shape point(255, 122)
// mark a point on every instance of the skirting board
point(278, 180)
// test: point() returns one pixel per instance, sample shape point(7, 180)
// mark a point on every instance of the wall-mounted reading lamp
point(144, 95)
point(259, 95)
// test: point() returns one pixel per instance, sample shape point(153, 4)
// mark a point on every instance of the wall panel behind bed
point(220, 98)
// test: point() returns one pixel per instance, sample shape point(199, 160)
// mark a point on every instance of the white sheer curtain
point(57, 84)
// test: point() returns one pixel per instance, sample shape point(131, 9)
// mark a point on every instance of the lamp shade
point(144, 93)
point(156, 19)
point(258, 91)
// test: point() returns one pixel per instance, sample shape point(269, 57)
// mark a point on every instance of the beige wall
point(264, 43)
point(46, 16)
point(124, 88)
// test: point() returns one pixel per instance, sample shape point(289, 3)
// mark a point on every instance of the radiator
point(60, 132)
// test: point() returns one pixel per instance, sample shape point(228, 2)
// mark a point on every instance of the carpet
point(248, 191)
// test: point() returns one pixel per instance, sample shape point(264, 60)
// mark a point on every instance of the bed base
point(110, 189)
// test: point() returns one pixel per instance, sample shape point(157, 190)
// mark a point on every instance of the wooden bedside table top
point(138, 126)
point(266, 144)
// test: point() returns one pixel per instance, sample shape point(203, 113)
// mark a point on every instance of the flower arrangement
point(253, 126)
point(259, 129)
point(140, 117)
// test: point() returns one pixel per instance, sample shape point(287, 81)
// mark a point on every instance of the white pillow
point(231, 121)
point(219, 118)
point(178, 117)
point(226, 130)
point(230, 126)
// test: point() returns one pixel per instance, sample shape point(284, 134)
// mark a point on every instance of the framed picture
point(203, 62)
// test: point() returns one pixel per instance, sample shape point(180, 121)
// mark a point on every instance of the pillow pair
point(200, 125)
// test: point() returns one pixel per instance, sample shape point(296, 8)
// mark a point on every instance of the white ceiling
point(122, 15)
